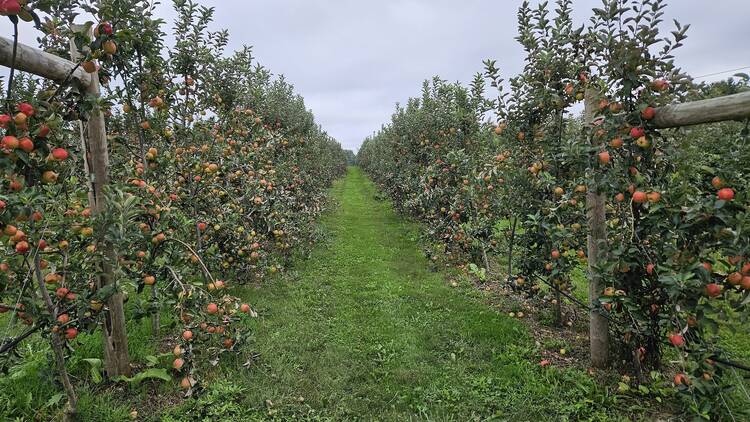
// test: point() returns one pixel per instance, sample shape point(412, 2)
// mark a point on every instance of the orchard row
point(216, 175)
point(671, 271)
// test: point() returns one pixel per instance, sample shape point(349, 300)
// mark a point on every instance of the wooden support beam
point(39, 63)
point(597, 250)
point(729, 107)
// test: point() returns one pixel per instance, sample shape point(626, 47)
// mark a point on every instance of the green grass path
point(365, 330)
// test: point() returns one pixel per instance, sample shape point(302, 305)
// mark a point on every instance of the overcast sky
point(353, 60)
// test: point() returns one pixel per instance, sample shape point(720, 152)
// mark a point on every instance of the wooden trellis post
point(597, 250)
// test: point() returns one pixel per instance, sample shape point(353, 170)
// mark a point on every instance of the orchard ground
point(362, 329)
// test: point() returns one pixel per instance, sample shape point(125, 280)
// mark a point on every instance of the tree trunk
point(597, 249)
point(57, 344)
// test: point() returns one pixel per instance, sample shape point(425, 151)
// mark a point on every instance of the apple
point(637, 132)
point(212, 308)
point(71, 333)
point(604, 157)
point(26, 109)
point(245, 308)
point(639, 197)
point(717, 183)
point(648, 113)
point(713, 290)
point(10, 142)
point(616, 142)
point(659, 85)
point(26, 144)
point(49, 176)
point(89, 66)
point(677, 340)
point(187, 335)
point(187, 383)
point(725, 194)
point(22, 247)
point(109, 47)
point(10, 7)
point(178, 363)
point(734, 278)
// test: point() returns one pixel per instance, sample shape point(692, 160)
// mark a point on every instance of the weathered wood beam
point(39, 63)
point(596, 219)
point(729, 107)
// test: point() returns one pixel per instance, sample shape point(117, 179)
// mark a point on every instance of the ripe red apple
point(734, 278)
point(149, 280)
point(648, 113)
point(178, 363)
point(59, 154)
point(10, 142)
point(26, 109)
point(105, 28)
point(717, 183)
point(637, 132)
point(5, 120)
point(187, 335)
point(620, 197)
point(71, 333)
point(10, 7)
point(659, 85)
point(212, 308)
point(245, 308)
point(677, 340)
point(61, 292)
point(616, 142)
point(725, 194)
point(555, 254)
point(202, 226)
point(22, 247)
point(26, 144)
point(604, 157)
point(713, 290)
point(640, 197)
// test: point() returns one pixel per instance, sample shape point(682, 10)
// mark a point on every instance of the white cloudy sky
point(353, 60)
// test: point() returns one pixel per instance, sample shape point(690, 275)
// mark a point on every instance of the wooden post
point(597, 249)
point(39, 63)
point(96, 157)
point(729, 107)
